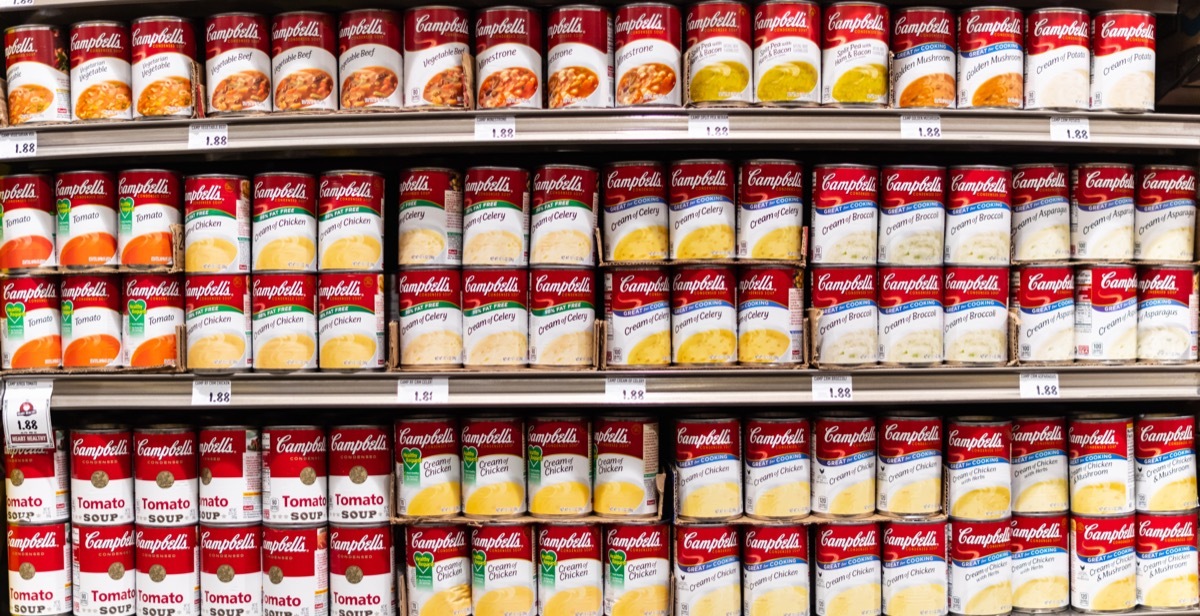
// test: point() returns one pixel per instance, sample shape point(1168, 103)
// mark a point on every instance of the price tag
point(1039, 385)
point(27, 414)
point(625, 390)
point(1075, 130)
point(18, 145)
point(423, 391)
point(16, 4)
point(920, 127)
point(832, 388)
point(209, 393)
point(208, 136)
point(708, 126)
point(495, 128)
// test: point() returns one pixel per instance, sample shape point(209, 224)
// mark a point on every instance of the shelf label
point(832, 388)
point(624, 390)
point(423, 391)
point(211, 393)
point(1074, 130)
point(708, 126)
point(495, 128)
point(21, 144)
point(208, 136)
point(1039, 385)
point(27, 414)
point(920, 127)
point(16, 4)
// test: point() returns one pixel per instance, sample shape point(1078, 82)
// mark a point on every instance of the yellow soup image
point(862, 84)
point(787, 81)
point(718, 81)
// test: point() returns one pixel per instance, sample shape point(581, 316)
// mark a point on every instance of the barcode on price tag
point(208, 136)
point(625, 390)
point(832, 388)
point(1076, 130)
point(423, 391)
point(495, 128)
point(27, 414)
point(920, 127)
point(1039, 385)
point(210, 393)
point(708, 126)
point(21, 144)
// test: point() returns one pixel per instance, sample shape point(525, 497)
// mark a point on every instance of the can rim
point(98, 22)
point(31, 27)
point(234, 14)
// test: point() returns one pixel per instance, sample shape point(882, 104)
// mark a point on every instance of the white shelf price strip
point(630, 390)
point(1039, 385)
point(211, 393)
point(23, 144)
point(423, 391)
point(1073, 130)
point(495, 128)
point(27, 414)
point(708, 126)
point(208, 136)
point(920, 127)
point(833, 388)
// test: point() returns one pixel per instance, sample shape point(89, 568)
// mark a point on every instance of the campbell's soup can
point(151, 315)
point(285, 322)
point(1102, 466)
point(559, 470)
point(102, 475)
point(637, 310)
point(770, 315)
point(991, 58)
point(284, 226)
point(778, 468)
point(708, 463)
point(909, 471)
point(237, 50)
point(571, 578)
point(635, 212)
point(854, 57)
point(361, 570)
point(910, 316)
point(914, 567)
point(431, 216)
point(431, 317)
point(230, 475)
point(562, 314)
point(435, 48)
point(295, 565)
point(844, 224)
point(496, 216)
point(923, 62)
point(303, 65)
point(845, 467)
point(39, 568)
point(702, 213)
point(165, 477)
point(1045, 303)
point(579, 57)
point(1106, 311)
point(846, 328)
point(438, 571)
point(168, 569)
point(1041, 213)
point(508, 57)
point(717, 59)
point(626, 475)
point(1057, 59)
point(643, 548)
point(148, 214)
point(493, 467)
point(1039, 465)
point(100, 73)
point(849, 572)
point(1103, 564)
point(980, 567)
point(360, 475)
point(979, 468)
point(979, 215)
point(1166, 561)
point(32, 334)
point(507, 582)
point(1123, 61)
point(428, 467)
point(350, 221)
point(496, 316)
point(775, 564)
point(35, 485)
point(707, 569)
point(562, 226)
point(231, 572)
point(91, 321)
point(350, 321)
point(976, 305)
point(649, 55)
point(1166, 327)
point(294, 480)
point(1040, 563)
point(787, 53)
point(912, 215)
point(216, 224)
point(87, 219)
point(218, 323)
point(370, 70)
point(770, 201)
point(1102, 212)
point(163, 67)
point(1164, 217)
point(1165, 451)
point(30, 218)
point(102, 564)
point(703, 315)
point(39, 88)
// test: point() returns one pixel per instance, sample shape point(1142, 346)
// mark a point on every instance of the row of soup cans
point(1043, 313)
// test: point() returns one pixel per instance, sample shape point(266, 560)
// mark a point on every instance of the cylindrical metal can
point(559, 470)
point(708, 467)
point(845, 214)
point(646, 547)
point(1045, 303)
point(909, 473)
point(1166, 327)
point(148, 212)
point(431, 216)
point(626, 466)
point(284, 322)
point(702, 212)
point(1106, 311)
point(218, 323)
point(1103, 564)
point(39, 88)
point(703, 315)
point(493, 458)
point(635, 212)
point(912, 215)
point(845, 467)
point(648, 55)
point(504, 552)
point(770, 201)
point(362, 576)
point(1123, 61)
point(102, 559)
point(30, 221)
point(91, 321)
point(637, 310)
point(496, 316)
point(163, 67)
point(573, 581)
point(100, 72)
point(923, 60)
point(35, 485)
point(496, 216)
point(231, 572)
point(1040, 563)
point(295, 564)
point(854, 54)
point(1102, 466)
point(1039, 465)
point(230, 475)
point(360, 475)
point(164, 475)
point(1041, 213)
point(32, 335)
point(717, 59)
point(580, 57)
point(1165, 453)
point(562, 225)
point(437, 563)
point(979, 468)
point(1166, 558)
point(770, 315)
point(1058, 59)
point(508, 57)
point(168, 569)
point(284, 224)
point(778, 468)
point(847, 328)
point(562, 316)
point(910, 316)
point(237, 64)
point(431, 321)
point(708, 567)
point(87, 219)
point(1102, 212)
point(775, 564)
point(216, 224)
point(991, 59)
point(350, 321)
point(350, 221)
point(435, 48)
point(787, 53)
point(976, 305)
point(1164, 217)
point(914, 567)
point(428, 467)
point(370, 68)
point(39, 568)
point(979, 215)
point(303, 65)
point(294, 481)
point(848, 553)
point(102, 475)
point(980, 567)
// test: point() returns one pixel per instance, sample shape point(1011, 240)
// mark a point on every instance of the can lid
point(97, 22)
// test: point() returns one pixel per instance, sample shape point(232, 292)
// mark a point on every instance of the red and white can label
point(708, 462)
point(102, 559)
point(1040, 563)
point(979, 216)
point(1168, 300)
point(295, 564)
point(717, 58)
point(909, 474)
point(854, 55)
point(165, 478)
point(914, 567)
point(1106, 313)
point(168, 570)
point(770, 315)
point(980, 567)
point(100, 73)
point(438, 569)
point(284, 227)
point(563, 219)
point(303, 67)
point(770, 202)
point(922, 70)
point(350, 221)
point(293, 475)
point(1057, 60)
point(1041, 213)
point(991, 60)
point(571, 573)
point(637, 307)
point(778, 468)
point(844, 455)
point(979, 475)
point(91, 321)
point(702, 212)
point(431, 216)
point(1103, 563)
point(369, 65)
point(35, 486)
point(360, 474)
point(87, 219)
point(230, 475)
point(1046, 305)
point(579, 57)
point(493, 456)
point(285, 321)
point(163, 52)
point(39, 87)
point(435, 44)
point(1102, 212)
point(238, 63)
point(787, 54)
point(910, 315)
point(1123, 61)
point(638, 571)
point(148, 207)
point(30, 220)
point(1164, 217)
point(39, 568)
point(428, 468)
point(350, 321)
point(503, 570)
point(218, 322)
point(101, 477)
point(849, 569)
point(1165, 449)
point(1166, 561)
point(648, 55)
point(912, 215)
point(1039, 465)
point(626, 466)
point(775, 564)
point(216, 224)
point(496, 217)
point(231, 579)
point(32, 333)
point(635, 212)
point(508, 57)
point(559, 466)
point(847, 328)
point(361, 572)
point(431, 317)
point(562, 316)
point(1102, 466)
point(703, 316)
point(845, 214)
point(976, 304)
point(707, 568)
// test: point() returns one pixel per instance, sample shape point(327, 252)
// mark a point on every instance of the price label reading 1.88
point(832, 389)
point(495, 128)
point(211, 393)
point(22, 144)
point(1039, 385)
point(208, 136)
point(1076, 130)
point(27, 414)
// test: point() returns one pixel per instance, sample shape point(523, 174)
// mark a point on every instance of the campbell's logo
point(566, 25)
point(1099, 179)
point(641, 22)
point(830, 283)
point(925, 184)
point(976, 24)
point(169, 36)
point(999, 537)
point(613, 436)
point(724, 541)
point(290, 190)
point(36, 541)
point(177, 448)
point(863, 539)
point(874, 23)
point(217, 445)
point(171, 542)
point(1180, 530)
point(286, 444)
point(302, 29)
point(925, 539)
point(789, 542)
point(986, 440)
point(24, 294)
point(370, 442)
point(96, 540)
point(212, 288)
point(88, 288)
point(1118, 281)
point(1180, 434)
point(574, 541)
point(438, 284)
point(631, 285)
point(864, 183)
point(757, 284)
point(1096, 438)
point(417, 182)
point(1141, 30)
point(925, 434)
point(834, 435)
point(565, 183)
point(152, 186)
point(441, 436)
point(1093, 532)
point(507, 285)
point(1046, 434)
point(645, 540)
point(292, 289)
point(648, 179)
point(560, 436)
point(343, 288)
point(71, 190)
point(710, 177)
point(777, 438)
point(577, 284)
point(110, 449)
point(993, 184)
point(716, 437)
point(1069, 29)
point(719, 20)
point(495, 436)
point(1054, 179)
point(491, 184)
point(20, 46)
point(24, 191)
point(355, 189)
point(425, 23)
point(699, 285)
point(295, 544)
point(1056, 285)
point(788, 19)
point(1183, 182)
point(1158, 282)
point(205, 192)
point(1044, 531)
point(245, 30)
point(240, 542)
point(102, 40)
point(982, 282)
point(365, 27)
point(509, 25)
point(925, 27)
point(788, 179)
point(502, 541)
point(908, 284)
point(363, 543)
point(449, 541)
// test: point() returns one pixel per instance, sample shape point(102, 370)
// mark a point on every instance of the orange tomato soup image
point(154, 353)
point(97, 350)
point(27, 251)
point(148, 249)
point(44, 352)
point(88, 249)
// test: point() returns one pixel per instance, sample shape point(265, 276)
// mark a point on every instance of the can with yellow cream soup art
point(152, 313)
point(1103, 564)
point(428, 467)
point(626, 466)
point(1165, 451)
point(775, 567)
point(1039, 465)
point(216, 224)
point(562, 315)
point(218, 323)
point(703, 316)
point(285, 322)
point(787, 53)
point(32, 335)
point(638, 571)
point(350, 321)
point(87, 219)
point(431, 317)
point(438, 565)
point(708, 469)
point(914, 567)
point(778, 466)
point(637, 309)
point(635, 212)
point(350, 221)
point(1166, 561)
point(980, 567)
point(496, 216)
point(493, 467)
point(431, 216)
point(285, 223)
point(718, 60)
point(770, 199)
point(1040, 566)
point(148, 209)
point(503, 580)
point(844, 467)
point(708, 569)
point(909, 471)
point(91, 321)
point(1102, 465)
point(496, 316)
point(563, 220)
point(571, 575)
point(770, 315)
point(979, 468)
point(854, 54)
point(702, 213)
point(559, 457)
point(849, 573)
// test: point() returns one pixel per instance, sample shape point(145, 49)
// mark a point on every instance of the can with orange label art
point(100, 77)
point(30, 222)
point(285, 322)
point(369, 64)
point(991, 62)
point(87, 219)
point(350, 321)
point(504, 579)
point(284, 228)
point(708, 468)
point(216, 224)
point(580, 57)
point(350, 221)
point(493, 460)
point(303, 64)
point(39, 88)
point(31, 338)
point(218, 323)
point(435, 45)
point(151, 315)
point(626, 466)
point(91, 321)
point(148, 212)
point(508, 57)
point(559, 466)
point(163, 67)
